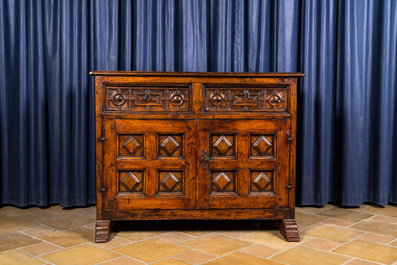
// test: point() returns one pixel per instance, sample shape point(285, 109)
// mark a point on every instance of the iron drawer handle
point(205, 159)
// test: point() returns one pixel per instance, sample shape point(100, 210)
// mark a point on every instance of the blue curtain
point(347, 146)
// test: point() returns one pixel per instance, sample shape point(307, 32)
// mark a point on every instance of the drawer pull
point(205, 159)
point(275, 100)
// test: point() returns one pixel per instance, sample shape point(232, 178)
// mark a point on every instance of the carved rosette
point(274, 100)
point(177, 99)
point(217, 98)
point(118, 99)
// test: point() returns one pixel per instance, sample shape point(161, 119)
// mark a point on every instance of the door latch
point(205, 159)
point(290, 139)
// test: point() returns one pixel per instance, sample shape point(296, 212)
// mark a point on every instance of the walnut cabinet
point(180, 145)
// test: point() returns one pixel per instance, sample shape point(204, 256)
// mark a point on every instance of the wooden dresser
point(180, 145)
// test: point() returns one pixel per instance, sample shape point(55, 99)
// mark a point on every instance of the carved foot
point(103, 230)
point(289, 229)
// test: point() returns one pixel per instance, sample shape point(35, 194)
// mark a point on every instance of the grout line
point(348, 261)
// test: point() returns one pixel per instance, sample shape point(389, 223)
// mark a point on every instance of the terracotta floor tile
point(67, 221)
point(115, 242)
point(90, 226)
point(360, 262)
point(138, 235)
point(303, 219)
point(197, 232)
point(39, 230)
point(216, 244)
point(394, 243)
point(84, 255)
point(170, 262)
point(382, 210)
point(88, 212)
point(308, 256)
point(195, 257)
point(123, 261)
point(15, 211)
point(38, 216)
point(15, 257)
point(235, 234)
point(272, 238)
point(346, 214)
point(321, 244)
point(369, 251)
point(339, 222)
point(9, 224)
point(143, 250)
point(16, 240)
point(262, 251)
point(175, 237)
point(376, 238)
point(41, 248)
point(377, 228)
point(239, 258)
point(71, 237)
point(333, 233)
point(312, 210)
point(57, 210)
point(383, 219)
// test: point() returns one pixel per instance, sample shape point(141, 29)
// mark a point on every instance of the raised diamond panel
point(131, 145)
point(262, 181)
point(262, 145)
point(131, 181)
point(171, 145)
point(170, 181)
point(223, 145)
point(223, 181)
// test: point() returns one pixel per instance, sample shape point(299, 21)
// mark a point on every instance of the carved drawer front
point(244, 164)
point(148, 98)
point(235, 99)
point(150, 164)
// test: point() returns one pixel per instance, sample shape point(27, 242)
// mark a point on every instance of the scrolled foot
point(289, 229)
point(103, 229)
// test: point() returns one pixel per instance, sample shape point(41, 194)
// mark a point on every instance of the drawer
point(152, 99)
point(235, 99)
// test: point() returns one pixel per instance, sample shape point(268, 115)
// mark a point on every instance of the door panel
point(150, 164)
point(242, 164)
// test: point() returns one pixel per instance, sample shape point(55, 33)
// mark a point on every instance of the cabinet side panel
point(292, 158)
point(98, 144)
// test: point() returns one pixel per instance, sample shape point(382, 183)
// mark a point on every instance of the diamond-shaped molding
point(263, 145)
point(130, 183)
point(262, 182)
point(169, 182)
point(223, 146)
point(132, 145)
point(170, 146)
point(221, 182)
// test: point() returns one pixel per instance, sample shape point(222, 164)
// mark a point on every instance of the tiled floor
point(329, 235)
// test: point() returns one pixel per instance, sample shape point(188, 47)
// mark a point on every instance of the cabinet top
point(184, 74)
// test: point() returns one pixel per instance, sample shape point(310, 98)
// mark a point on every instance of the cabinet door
point(149, 164)
point(243, 163)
